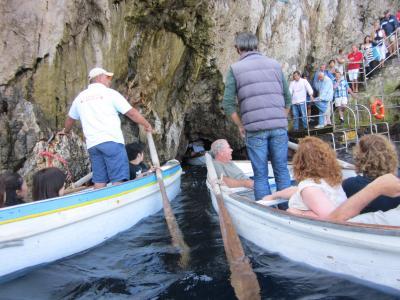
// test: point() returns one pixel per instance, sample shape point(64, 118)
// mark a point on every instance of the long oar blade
point(243, 279)
point(175, 232)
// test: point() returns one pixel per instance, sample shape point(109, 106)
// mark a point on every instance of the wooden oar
point(176, 234)
point(75, 190)
point(82, 181)
point(342, 163)
point(243, 279)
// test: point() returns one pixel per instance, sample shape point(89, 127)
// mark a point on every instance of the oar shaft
point(83, 180)
point(176, 234)
point(243, 279)
point(153, 150)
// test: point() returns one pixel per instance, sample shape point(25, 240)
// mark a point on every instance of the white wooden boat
point(366, 253)
point(44, 231)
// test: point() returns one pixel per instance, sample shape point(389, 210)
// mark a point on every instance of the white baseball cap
point(98, 71)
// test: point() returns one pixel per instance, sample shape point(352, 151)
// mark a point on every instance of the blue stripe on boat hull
point(39, 207)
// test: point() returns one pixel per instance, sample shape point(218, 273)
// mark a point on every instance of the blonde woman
point(373, 156)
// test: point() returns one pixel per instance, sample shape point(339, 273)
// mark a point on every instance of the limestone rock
point(169, 59)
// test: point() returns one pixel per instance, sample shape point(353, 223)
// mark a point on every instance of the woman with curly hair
point(373, 156)
point(319, 178)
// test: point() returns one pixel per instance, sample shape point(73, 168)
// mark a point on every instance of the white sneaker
point(319, 126)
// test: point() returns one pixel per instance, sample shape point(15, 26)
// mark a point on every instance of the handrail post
point(397, 43)
point(365, 75)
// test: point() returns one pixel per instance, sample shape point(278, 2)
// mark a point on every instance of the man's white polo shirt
point(97, 108)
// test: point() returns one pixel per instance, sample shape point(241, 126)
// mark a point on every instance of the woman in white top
point(319, 176)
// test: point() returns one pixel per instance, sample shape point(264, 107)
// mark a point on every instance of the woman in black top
point(373, 156)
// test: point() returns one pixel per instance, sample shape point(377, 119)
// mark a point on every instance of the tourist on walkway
point(369, 50)
point(379, 34)
point(341, 94)
point(98, 109)
point(324, 87)
point(389, 25)
point(299, 88)
point(323, 69)
point(355, 59)
point(264, 99)
point(332, 68)
point(340, 61)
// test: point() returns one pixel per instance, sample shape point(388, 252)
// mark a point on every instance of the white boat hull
point(49, 237)
point(363, 252)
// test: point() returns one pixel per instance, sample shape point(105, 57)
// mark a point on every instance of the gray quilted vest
point(260, 92)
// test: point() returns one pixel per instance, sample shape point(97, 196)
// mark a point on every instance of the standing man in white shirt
point(299, 88)
point(98, 109)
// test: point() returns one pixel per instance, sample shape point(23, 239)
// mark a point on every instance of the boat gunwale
point(19, 216)
point(345, 226)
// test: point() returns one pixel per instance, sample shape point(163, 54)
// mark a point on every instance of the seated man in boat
point(386, 185)
point(319, 178)
point(231, 175)
point(137, 168)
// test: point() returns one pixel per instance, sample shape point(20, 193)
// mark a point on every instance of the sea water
point(141, 264)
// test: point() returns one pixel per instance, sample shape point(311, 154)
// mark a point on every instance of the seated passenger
point(13, 189)
point(319, 178)
point(137, 168)
point(48, 183)
point(232, 175)
point(374, 156)
point(387, 185)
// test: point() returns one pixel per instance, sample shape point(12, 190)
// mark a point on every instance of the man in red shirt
point(355, 59)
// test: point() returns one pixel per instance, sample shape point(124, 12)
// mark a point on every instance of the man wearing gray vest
point(264, 99)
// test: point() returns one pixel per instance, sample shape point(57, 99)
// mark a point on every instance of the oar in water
point(243, 279)
point(342, 163)
point(176, 234)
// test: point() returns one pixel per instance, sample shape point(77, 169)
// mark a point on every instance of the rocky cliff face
point(169, 59)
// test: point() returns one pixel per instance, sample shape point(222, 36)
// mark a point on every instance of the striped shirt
point(340, 88)
point(368, 54)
